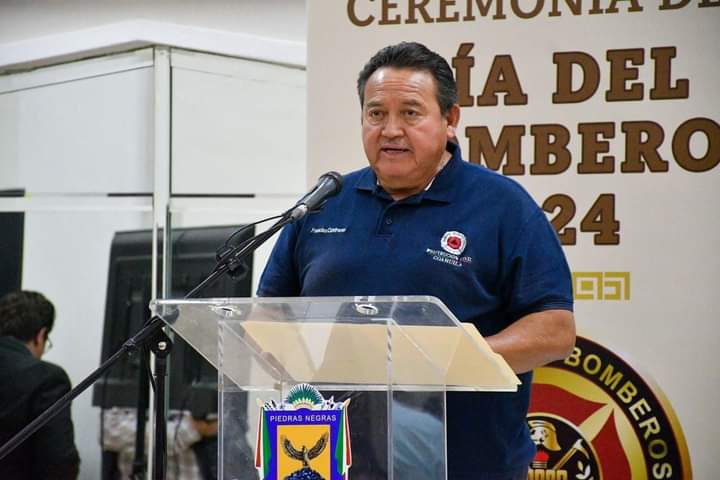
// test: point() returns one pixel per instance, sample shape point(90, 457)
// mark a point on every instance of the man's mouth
point(394, 150)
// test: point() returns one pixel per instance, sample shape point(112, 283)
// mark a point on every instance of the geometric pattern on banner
point(601, 285)
point(592, 417)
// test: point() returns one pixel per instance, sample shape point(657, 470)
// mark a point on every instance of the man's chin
point(393, 170)
point(395, 183)
point(392, 180)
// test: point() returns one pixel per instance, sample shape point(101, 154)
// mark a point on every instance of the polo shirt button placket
point(386, 221)
point(386, 226)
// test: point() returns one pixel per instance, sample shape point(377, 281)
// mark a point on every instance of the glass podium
point(335, 387)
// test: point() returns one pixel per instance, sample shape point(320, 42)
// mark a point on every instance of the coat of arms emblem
point(306, 437)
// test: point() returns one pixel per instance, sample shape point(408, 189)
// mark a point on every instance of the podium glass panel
point(335, 387)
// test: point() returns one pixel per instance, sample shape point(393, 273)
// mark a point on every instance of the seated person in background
point(184, 434)
point(29, 387)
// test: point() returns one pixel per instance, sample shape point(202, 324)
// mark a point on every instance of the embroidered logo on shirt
point(453, 242)
point(328, 230)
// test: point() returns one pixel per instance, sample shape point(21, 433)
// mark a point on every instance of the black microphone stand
point(152, 335)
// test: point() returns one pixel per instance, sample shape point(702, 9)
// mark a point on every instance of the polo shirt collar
point(367, 180)
point(441, 187)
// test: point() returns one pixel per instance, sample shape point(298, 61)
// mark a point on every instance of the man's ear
point(40, 336)
point(37, 343)
point(453, 119)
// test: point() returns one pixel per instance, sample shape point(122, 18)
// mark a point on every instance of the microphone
point(329, 184)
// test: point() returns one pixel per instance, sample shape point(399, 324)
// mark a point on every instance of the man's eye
point(375, 114)
point(411, 113)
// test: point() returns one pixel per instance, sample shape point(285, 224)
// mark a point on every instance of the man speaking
point(506, 272)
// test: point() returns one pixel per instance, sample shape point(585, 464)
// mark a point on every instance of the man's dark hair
point(24, 313)
point(413, 56)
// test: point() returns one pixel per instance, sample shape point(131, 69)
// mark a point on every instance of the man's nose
point(393, 127)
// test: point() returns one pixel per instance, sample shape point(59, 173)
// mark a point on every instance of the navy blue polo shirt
point(474, 239)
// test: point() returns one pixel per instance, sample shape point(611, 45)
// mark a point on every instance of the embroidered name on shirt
point(328, 230)
point(449, 258)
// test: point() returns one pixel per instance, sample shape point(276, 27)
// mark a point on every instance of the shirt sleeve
point(280, 277)
point(538, 277)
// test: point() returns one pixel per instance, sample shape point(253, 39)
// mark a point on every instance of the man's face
point(404, 133)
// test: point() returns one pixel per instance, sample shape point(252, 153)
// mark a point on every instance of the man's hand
point(536, 339)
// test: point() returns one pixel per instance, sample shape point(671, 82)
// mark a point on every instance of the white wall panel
point(69, 71)
point(87, 135)
point(9, 176)
point(238, 126)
